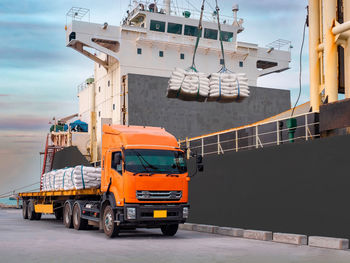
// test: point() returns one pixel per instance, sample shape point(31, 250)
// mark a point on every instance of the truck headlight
point(131, 213)
point(185, 212)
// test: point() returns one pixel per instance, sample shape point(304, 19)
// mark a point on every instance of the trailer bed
point(62, 193)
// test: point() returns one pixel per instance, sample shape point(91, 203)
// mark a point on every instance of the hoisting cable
point(220, 37)
point(200, 28)
point(301, 62)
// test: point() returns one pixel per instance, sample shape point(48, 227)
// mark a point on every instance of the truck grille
point(158, 195)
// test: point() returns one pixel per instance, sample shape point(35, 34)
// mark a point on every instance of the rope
point(82, 176)
point(220, 35)
point(200, 28)
point(219, 98)
point(300, 66)
point(238, 89)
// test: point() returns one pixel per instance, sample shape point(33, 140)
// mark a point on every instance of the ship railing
point(255, 136)
point(85, 84)
point(195, 12)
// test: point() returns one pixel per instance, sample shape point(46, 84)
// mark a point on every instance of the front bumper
point(145, 215)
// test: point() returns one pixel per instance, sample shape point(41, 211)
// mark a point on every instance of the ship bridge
point(146, 29)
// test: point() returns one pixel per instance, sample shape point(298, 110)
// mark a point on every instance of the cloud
point(4, 95)
point(23, 123)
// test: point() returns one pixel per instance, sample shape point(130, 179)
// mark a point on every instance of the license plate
point(159, 213)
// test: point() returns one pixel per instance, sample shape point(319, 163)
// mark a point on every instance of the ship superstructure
point(152, 40)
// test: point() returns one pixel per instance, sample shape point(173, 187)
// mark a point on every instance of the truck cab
point(144, 179)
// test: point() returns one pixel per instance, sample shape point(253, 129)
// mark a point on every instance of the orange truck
point(144, 184)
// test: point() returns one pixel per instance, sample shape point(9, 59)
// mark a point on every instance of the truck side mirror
point(199, 162)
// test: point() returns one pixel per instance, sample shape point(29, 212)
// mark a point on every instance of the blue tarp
point(78, 126)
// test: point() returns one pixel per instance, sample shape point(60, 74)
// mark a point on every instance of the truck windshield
point(155, 161)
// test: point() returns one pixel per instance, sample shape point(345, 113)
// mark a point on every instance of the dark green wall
point(299, 188)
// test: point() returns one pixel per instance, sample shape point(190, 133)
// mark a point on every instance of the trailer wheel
point(38, 216)
point(67, 216)
point(109, 227)
point(169, 230)
point(25, 209)
point(31, 210)
point(78, 222)
point(59, 214)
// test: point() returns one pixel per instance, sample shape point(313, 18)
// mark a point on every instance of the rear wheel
point(109, 227)
point(78, 222)
point(169, 230)
point(25, 209)
point(59, 213)
point(67, 216)
point(31, 211)
point(38, 216)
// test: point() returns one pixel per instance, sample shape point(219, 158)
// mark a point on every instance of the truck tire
point(59, 214)
point(31, 210)
point(67, 216)
point(25, 209)
point(78, 222)
point(109, 227)
point(169, 230)
point(38, 216)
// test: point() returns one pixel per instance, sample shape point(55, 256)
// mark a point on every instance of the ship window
point(241, 64)
point(139, 51)
point(226, 36)
point(191, 31)
point(175, 28)
point(182, 56)
point(161, 54)
point(157, 26)
point(210, 33)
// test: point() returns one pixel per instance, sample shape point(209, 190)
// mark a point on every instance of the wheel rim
point(108, 221)
point(66, 214)
point(75, 217)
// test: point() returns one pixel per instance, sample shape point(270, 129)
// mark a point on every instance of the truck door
point(115, 171)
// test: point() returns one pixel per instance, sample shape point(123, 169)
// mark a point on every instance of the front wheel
point(109, 227)
point(169, 230)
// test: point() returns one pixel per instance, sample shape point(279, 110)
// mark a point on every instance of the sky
point(39, 74)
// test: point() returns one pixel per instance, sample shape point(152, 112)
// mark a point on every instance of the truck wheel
point(59, 214)
point(78, 222)
point(67, 216)
point(169, 230)
point(31, 210)
point(25, 209)
point(109, 227)
point(38, 216)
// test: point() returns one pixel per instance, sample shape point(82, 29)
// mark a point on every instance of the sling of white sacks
point(220, 87)
point(228, 87)
point(79, 177)
point(188, 85)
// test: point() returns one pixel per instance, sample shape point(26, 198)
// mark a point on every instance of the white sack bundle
point(188, 86)
point(86, 177)
point(228, 87)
